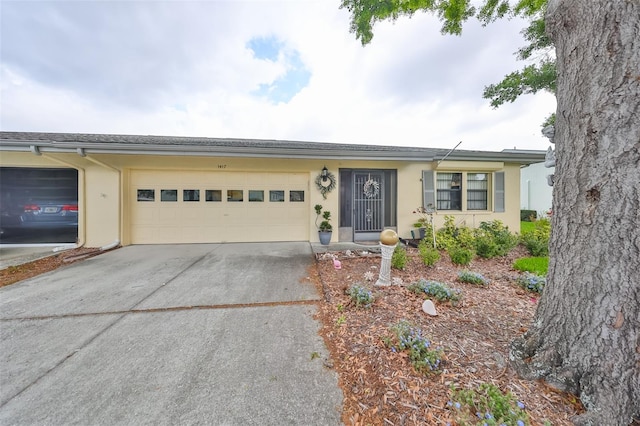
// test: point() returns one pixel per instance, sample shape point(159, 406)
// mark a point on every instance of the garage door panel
point(211, 217)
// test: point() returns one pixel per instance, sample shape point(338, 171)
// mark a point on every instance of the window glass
point(190, 195)
point(146, 195)
point(168, 195)
point(234, 195)
point(296, 196)
point(477, 186)
point(213, 195)
point(256, 195)
point(448, 189)
point(276, 196)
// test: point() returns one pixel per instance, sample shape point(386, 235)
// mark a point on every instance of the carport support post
point(384, 278)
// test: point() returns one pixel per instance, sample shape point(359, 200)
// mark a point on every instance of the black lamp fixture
point(324, 174)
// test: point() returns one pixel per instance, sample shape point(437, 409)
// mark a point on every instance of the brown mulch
point(13, 274)
point(381, 387)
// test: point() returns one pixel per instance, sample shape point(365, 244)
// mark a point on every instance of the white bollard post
point(384, 278)
point(388, 243)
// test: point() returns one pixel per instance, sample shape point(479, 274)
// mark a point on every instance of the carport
point(39, 205)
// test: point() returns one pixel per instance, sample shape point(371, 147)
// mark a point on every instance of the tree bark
point(585, 338)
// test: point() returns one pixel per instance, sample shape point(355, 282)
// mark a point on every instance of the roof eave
point(212, 151)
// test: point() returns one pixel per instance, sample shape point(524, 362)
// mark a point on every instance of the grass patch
point(535, 265)
point(527, 227)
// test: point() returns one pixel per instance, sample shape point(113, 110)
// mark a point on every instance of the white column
point(385, 268)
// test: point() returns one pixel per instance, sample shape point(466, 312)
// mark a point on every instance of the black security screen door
point(368, 203)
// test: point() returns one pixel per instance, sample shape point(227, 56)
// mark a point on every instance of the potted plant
point(421, 224)
point(324, 229)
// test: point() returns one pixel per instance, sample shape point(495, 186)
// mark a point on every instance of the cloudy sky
point(258, 69)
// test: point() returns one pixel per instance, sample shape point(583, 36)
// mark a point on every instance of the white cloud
point(184, 68)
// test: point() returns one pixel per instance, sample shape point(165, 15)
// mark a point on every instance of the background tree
point(585, 337)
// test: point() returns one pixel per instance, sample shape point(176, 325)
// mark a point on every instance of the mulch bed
point(13, 274)
point(381, 387)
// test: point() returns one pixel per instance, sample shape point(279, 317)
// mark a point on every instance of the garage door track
point(185, 334)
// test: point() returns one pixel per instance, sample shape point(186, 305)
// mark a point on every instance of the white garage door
point(211, 207)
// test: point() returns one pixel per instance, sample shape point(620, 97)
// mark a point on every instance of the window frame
point(473, 193)
point(495, 190)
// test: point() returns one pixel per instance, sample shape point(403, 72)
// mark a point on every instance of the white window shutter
point(498, 192)
point(428, 189)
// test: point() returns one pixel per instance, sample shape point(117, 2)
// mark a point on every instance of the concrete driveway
point(175, 334)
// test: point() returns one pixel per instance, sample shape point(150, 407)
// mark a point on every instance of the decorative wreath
point(327, 185)
point(371, 188)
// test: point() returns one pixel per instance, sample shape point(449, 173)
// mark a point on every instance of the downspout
point(81, 152)
point(81, 177)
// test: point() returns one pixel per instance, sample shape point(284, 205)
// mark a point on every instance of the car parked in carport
point(49, 214)
point(38, 212)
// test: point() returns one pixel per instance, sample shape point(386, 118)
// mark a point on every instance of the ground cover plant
point(436, 290)
point(526, 227)
point(360, 296)
point(487, 405)
point(532, 282)
point(535, 265)
point(472, 278)
point(410, 338)
point(383, 387)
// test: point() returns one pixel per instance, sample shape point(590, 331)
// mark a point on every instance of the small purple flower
point(457, 405)
point(520, 405)
point(520, 423)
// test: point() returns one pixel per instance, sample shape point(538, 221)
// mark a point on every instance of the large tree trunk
point(585, 338)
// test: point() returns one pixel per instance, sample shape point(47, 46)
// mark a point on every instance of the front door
point(368, 204)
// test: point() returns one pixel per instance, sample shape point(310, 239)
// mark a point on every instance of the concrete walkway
point(218, 334)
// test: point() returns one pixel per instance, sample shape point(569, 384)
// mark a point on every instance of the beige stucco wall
point(104, 187)
point(410, 194)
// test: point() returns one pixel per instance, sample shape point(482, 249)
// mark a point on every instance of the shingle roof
point(199, 146)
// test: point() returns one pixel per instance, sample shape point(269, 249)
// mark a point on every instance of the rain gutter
point(271, 151)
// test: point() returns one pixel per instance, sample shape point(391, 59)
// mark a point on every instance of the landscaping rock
point(429, 308)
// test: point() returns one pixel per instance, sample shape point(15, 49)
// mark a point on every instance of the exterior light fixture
point(325, 174)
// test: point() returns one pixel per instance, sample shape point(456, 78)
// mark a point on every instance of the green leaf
point(531, 79)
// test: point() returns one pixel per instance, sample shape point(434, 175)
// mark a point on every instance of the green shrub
point(528, 215)
point(439, 291)
point(487, 405)
point(361, 296)
point(536, 265)
point(423, 357)
point(472, 278)
point(399, 257)
point(494, 239)
point(460, 255)
point(428, 254)
point(537, 240)
point(451, 235)
point(532, 282)
point(486, 246)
